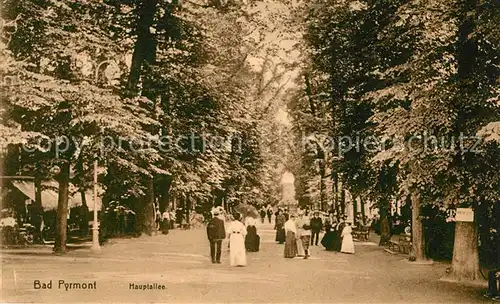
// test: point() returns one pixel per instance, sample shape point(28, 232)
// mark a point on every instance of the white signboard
point(464, 215)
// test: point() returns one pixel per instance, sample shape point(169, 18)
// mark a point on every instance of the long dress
point(347, 242)
point(337, 240)
point(290, 242)
point(280, 230)
point(165, 223)
point(300, 247)
point(329, 238)
point(237, 253)
point(252, 240)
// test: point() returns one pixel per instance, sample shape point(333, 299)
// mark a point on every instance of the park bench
point(401, 242)
point(355, 232)
point(361, 232)
point(364, 232)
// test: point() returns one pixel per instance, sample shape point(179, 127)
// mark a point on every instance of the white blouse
point(250, 221)
point(236, 227)
point(347, 230)
point(291, 226)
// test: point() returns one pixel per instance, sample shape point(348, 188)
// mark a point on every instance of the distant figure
point(347, 242)
point(237, 233)
point(368, 221)
point(262, 215)
point(269, 214)
point(172, 219)
point(216, 233)
point(165, 222)
point(291, 238)
point(158, 219)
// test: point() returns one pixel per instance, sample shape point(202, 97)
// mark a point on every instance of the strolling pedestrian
point(165, 222)
point(216, 233)
point(269, 213)
point(291, 236)
point(316, 227)
point(262, 214)
point(279, 226)
point(252, 239)
point(328, 240)
point(347, 241)
point(237, 233)
point(304, 230)
point(172, 219)
point(337, 245)
point(158, 219)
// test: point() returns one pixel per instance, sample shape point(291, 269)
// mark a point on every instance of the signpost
point(464, 215)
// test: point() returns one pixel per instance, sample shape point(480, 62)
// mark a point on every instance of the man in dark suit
point(316, 226)
point(216, 233)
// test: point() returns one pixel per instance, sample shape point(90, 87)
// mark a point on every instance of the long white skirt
point(347, 244)
point(237, 252)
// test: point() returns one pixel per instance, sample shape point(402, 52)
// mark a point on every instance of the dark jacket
point(316, 224)
point(215, 229)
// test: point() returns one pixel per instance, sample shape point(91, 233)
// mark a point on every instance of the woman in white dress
point(300, 248)
point(347, 242)
point(237, 233)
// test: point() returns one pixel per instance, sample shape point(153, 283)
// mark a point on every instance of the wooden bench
point(361, 232)
point(364, 232)
point(401, 242)
point(355, 232)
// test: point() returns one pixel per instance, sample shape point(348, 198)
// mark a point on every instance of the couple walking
point(338, 236)
point(216, 233)
point(298, 236)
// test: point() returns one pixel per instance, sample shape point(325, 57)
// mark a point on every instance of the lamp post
point(95, 226)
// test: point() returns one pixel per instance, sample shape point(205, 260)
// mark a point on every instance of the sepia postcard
point(249, 151)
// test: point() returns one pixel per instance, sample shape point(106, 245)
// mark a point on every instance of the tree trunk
point(84, 225)
point(465, 263)
point(354, 211)
point(322, 185)
point(385, 232)
point(145, 215)
point(143, 44)
point(342, 200)
point(144, 51)
point(165, 197)
point(62, 210)
point(418, 240)
point(188, 210)
point(38, 211)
